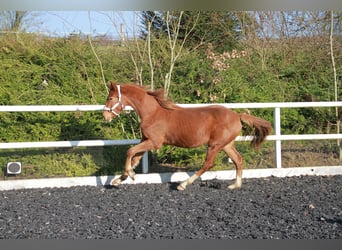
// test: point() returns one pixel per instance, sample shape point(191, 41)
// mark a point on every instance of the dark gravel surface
point(305, 207)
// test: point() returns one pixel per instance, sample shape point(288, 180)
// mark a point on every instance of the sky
point(95, 23)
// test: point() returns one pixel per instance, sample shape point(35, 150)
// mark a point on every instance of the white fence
point(277, 137)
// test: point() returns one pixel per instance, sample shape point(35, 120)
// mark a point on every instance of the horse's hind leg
point(209, 163)
point(235, 156)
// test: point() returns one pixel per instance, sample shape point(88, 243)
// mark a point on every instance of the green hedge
point(38, 70)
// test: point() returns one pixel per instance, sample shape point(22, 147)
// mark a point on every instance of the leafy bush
point(38, 70)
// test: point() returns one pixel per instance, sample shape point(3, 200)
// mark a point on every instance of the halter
point(116, 104)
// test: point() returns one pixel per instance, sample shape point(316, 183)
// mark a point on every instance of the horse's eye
point(110, 99)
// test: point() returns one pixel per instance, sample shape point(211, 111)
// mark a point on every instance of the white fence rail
point(277, 137)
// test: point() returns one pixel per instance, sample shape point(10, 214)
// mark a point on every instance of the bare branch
point(338, 123)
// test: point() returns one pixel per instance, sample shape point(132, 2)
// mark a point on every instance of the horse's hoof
point(234, 186)
point(116, 182)
point(180, 187)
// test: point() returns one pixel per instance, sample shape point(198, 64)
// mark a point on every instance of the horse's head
point(113, 105)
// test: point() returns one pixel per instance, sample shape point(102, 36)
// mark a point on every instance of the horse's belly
point(191, 139)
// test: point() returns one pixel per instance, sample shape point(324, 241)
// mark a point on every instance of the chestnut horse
point(163, 122)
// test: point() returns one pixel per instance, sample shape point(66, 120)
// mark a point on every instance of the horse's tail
point(261, 128)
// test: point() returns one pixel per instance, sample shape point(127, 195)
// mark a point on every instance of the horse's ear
point(111, 85)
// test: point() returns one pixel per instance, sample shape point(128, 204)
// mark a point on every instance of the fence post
point(145, 163)
point(277, 131)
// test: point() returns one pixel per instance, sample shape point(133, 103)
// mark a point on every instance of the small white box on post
point(13, 167)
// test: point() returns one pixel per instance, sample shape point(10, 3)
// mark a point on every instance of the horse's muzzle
point(107, 116)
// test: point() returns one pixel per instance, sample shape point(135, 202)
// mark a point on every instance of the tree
point(220, 28)
point(12, 20)
point(152, 23)
point(183, 32)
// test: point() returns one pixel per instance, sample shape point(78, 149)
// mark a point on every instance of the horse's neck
point(145, 106)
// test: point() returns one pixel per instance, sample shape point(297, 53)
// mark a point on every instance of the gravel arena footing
point(304, 207)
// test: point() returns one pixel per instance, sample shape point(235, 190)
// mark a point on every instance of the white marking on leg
point(131, 174)
point(237, 183)
point(190, 180)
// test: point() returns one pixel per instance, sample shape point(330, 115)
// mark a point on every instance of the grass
point(70, 162)
point(109, 160)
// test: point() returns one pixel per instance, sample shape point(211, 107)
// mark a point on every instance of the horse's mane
point(158, 95)
point(163, 102)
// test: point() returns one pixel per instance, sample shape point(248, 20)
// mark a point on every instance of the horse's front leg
point(134, 155)
point(128, 168)
point(134, 161)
